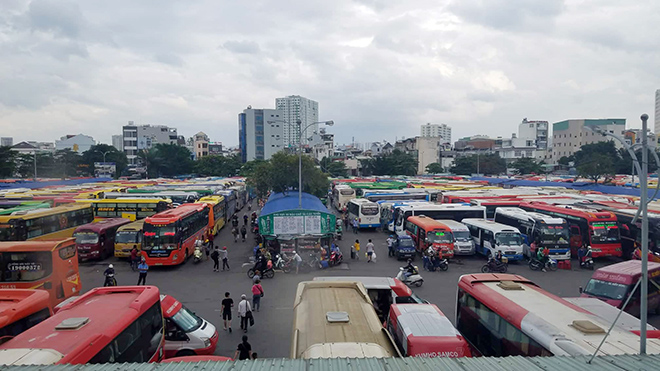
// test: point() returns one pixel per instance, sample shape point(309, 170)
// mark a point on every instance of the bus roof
point(102, 225)
point(362, 201)
point(453, 225)
point(629, 270)
point(374, 283)
point(31, 214)
point(559, 326)
point(128, 199)
point(170, 215)
point(330, 312)
point(427, 223)
point(19, 303)
point(212, 199)
point(107, 311)
point(9, 246)
point(132, 226)
point(424, 320)
point(528, 215)
point(490, 225)
point(570, 210)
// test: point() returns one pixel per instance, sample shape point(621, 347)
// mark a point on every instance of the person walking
point(243, 232)
point(244, 350)
point(227, 304)
point(143, 268)
point(356, 248)
point(245, 219)
point(370, 251)
point(225, 262)
point(257, 294)
point(244, 311)
point(298, 261)
point(234, 231)
point(355, 226)
point(215, 255)
point(135, 259)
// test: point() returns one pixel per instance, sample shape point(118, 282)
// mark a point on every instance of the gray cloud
point(531, 15)
point(242, 47)
point(63, 18)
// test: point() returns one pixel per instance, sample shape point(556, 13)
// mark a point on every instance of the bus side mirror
point(580, 289)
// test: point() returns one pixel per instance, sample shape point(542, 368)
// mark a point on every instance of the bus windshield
point(461, 235)
point(187, 320)
point(604, 289)
point(161, 236)
point(369, 209)
point(25, 266)
point(86, 238)
point(508, 239)
point(554, 234)
point(440, 237)
point(604, 232)
point(127, 237)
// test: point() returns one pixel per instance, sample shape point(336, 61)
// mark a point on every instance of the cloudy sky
point(378, 68)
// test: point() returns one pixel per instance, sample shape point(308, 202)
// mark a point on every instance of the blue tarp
point(278, 202)
point(66, 182)
point(581, 186)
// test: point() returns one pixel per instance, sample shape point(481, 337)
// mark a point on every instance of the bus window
point(25, 266)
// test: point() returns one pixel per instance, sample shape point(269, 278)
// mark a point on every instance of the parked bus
point(177, 197)
point(341, 195)
point(490, 237)
point(241, 196)
point(387, 207)
point(230, 203)
point(217, 204)
point(336, 319)
point(120, 324)
point(97, 240)
point(422, 330)
point(367, 213)
point(434, 211)
point(614, 283)
point(21, 309)
point(48, 265)
point(550, 232)
point(17, 209)
point(507, 315)
point(599, 229)
point(128, 208)
point(44, 224)
point(463, 243)
point(427, 232)
point(397, 195)
point(169, 237)
point(128, 236)
point(493, 203)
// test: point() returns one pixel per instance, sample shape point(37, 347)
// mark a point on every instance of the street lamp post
point(103, 153)
point(300, 149)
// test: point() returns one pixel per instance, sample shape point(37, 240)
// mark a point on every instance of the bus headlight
point(175, 257)
point(207, 342)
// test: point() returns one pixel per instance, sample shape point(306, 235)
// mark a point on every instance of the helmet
point(409, 261)
point(224, 247)
point(293, 252)
point(111, 266)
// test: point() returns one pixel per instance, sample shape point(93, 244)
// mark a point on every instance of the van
point(613, 284)
point(463, 243)
point(424, 331)
point(186, 334)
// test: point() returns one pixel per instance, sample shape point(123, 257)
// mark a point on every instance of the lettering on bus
point(73, 279)
point(25, 266)
point(7, 286)
point(448, 354)
point(172, 308)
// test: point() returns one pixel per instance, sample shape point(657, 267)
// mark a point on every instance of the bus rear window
point(369, 210)
point(346, 192)
point(127, 237)
point(25, 266)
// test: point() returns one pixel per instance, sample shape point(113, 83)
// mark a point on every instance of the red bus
point(599, 229)
point(508, 315)
point(106, 325)
point(427, 232)
point(169, 236)
point(96, 240)
point(48, 265)
point(21, 309)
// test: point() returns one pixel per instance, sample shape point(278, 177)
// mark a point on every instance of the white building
point(6, 141)
point(656, 126)
point(294, 108)
point(260, 133)
point(77, 143)
point(201, 145)
point(323, 145)
point(118, 142)
point(569, 135)
point(437, 130)
point(143, 137)
point(516, 148)
point(30, 147)
point(535, 130)
point(428, 152)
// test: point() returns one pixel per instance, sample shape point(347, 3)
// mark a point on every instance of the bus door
point(422, 243)
point(575, 239)
point(487, 241)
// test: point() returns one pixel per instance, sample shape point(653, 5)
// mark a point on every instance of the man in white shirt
point(390, 246)
point(243, 309)
point(370, 251)
point(298, 260)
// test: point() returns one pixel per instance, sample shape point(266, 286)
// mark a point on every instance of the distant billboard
point(104, 169)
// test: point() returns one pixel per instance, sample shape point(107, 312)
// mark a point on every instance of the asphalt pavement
point(201, 290)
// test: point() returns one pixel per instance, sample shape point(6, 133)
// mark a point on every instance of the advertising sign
point(303, 222)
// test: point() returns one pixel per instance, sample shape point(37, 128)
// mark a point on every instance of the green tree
point(67, 162)
point(249, 167)
point(46, 167)
point(167, 160)
point(435, 168)
point(597, 166)
point(565, 160)
point(489, 164)
point(7, 162)
point(336, 169)
point(216, 165)
point(395, 163)
point(112, 154)
point(280, 174)
point(527, 165)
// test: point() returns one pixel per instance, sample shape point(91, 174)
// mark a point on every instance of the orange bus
point(106, 325)
point(47, 265)
point(169, 237)
point(21, 309)
point(427, 232)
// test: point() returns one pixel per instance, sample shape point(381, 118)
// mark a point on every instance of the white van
point(463, 244)
point(490, 237)
point(186, 334)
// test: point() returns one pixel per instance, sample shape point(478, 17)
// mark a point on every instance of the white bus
point(366, 212)
point(434, 211)
point(490, 237)
point(463, 243)
point(341, 195)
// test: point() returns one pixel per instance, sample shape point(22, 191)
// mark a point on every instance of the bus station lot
point(201, 289)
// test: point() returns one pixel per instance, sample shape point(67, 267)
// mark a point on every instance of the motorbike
point(536, 265)
point(414, 279)
point(282, 264)
point(339, 232)
point(197, 255)
point(435, 264)
point(267, 273)
point(255, 228)
point(587, 262)
point(495, 266)
point(336, 257)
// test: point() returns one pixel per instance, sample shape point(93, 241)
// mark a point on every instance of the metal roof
point(605, 363)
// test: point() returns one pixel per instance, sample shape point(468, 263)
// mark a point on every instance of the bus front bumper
point(373, 225)
point(513, 257)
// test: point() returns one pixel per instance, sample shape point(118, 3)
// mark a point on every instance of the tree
point(215, 165)
point(596, 166)
point(527, 165)
point(336, 169)
point(565, 160)
point(67, 162)
point(249, 167)
point(435, 168)
point(112, 154)
point(489, 164)
point(280, 174)
point(395, 163)
point(7, 162)
point(167, 160)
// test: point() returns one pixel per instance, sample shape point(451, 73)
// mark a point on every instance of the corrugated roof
point(605, 363)
point(278, 202)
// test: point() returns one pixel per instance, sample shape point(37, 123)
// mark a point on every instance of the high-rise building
point(656, 125)
point(260, 133)
point(294, 108)
point(535, 130)
point(141, 137)
point(437, 130)
point(118, 142)
point(569, 135)
point(6, 141)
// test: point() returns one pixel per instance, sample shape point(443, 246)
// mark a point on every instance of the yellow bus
point(217, 203)
point(57, 223)
point(128, 235)
point(127, 208)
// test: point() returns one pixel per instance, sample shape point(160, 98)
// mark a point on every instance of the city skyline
point(79, 67)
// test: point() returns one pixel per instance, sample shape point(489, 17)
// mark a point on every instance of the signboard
point(303, 222)
point(104, 169)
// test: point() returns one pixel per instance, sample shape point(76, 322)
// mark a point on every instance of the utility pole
point(643, 184)
point(35, 164)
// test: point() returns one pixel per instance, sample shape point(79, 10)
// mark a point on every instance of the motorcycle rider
point(110, 276)
point(409, 269)
point(542, 256)
point(582, 252)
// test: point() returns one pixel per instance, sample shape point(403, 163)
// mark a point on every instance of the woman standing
point(257, 294)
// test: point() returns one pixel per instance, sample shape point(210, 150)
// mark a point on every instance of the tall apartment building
point(295, 107)
point(437, 130)
point(569, 135)
point(535, 130)
point(141, 137)
point(656, 124)
point(260, 133)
